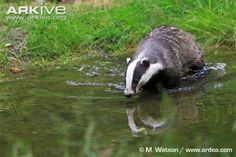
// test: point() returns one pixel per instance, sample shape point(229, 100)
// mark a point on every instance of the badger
point(165, 55)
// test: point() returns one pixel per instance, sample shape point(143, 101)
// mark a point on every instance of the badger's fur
point(165, 55)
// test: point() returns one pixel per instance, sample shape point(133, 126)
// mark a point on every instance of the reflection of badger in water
point(165, 55)
point(154, 115)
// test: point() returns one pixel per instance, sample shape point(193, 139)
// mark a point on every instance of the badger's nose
point(128, 93)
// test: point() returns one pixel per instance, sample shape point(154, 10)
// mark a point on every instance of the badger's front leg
point(170, 79)
point(151, 86)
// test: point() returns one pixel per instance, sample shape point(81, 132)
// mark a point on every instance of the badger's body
point(165, 55)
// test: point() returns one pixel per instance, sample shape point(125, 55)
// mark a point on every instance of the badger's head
point(138, 73)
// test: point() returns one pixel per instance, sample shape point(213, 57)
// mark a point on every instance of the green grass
point(117, 30)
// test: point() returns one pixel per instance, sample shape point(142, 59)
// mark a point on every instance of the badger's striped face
point(138, 73)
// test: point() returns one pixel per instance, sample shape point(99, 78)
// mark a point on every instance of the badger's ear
point(128, 60)
point(145, 62)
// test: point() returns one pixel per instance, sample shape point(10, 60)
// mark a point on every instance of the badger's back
point(172, 47)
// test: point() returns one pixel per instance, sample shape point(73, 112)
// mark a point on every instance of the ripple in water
point(190, 77)
point(113, 85)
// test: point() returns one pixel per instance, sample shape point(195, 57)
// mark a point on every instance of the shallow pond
point(81, 111)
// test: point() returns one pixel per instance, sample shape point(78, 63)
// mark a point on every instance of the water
point(81, 111)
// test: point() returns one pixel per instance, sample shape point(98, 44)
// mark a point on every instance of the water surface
point(81, 111)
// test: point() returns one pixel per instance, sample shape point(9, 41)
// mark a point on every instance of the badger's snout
point(129, 93)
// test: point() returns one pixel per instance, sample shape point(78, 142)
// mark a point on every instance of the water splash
point(180, 89)
point(219, 67)
point(75, 83)
point(93, 71)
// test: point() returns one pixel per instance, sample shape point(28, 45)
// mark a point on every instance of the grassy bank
point(115, 29)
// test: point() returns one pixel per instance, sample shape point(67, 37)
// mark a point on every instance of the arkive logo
point(36, 10)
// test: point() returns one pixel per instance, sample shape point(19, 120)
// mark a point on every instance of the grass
point(117, 29)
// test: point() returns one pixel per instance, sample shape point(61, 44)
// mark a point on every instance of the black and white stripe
point(138, 73)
